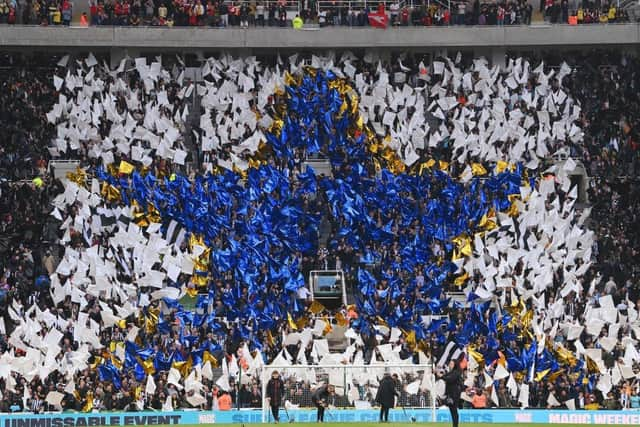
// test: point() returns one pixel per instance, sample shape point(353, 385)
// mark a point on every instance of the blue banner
point(488, 416)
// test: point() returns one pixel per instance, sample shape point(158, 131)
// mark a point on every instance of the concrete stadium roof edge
point(331, 38)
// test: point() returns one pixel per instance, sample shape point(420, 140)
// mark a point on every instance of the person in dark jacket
point(453, 389)
point(320, 399)
point(275, 391)
point(386, 396)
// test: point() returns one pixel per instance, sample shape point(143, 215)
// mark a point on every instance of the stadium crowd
point(244, 14)
point(33, 250)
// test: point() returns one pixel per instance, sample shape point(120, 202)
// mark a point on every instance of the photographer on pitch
point(453, 389)
point(320, 399)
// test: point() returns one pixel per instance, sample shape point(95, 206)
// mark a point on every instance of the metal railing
point(360, 4)
point(373, 4)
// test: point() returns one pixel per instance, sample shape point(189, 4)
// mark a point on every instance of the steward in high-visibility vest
point(297, 22)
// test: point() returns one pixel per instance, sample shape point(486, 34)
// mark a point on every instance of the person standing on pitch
point(275, 391)
point(386, 396)
point(320, 399)
point(453, 389)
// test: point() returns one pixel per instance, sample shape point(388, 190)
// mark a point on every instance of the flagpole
point(433, 383)
point(239, 385)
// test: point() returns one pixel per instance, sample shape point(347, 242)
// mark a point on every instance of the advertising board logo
point(524, 417)
point(207, 418)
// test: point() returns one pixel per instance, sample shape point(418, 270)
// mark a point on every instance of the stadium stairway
point(193, 120)
point(324, 231)
point(537, 17)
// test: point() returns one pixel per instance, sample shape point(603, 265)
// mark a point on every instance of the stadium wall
point(488, 416)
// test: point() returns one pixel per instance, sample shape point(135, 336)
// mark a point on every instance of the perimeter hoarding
point(149, 418)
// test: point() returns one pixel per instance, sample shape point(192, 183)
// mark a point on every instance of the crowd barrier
point(306, 415)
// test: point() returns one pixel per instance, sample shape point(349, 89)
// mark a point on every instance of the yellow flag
point(112, 169)
point(208, 357)
point(312, 72)
point(542, 374)
point(270, 338)
point(526, 334)
point(151, 320)
point(79, 177)
point(388, 154)
point(196, 240)
point(276, 127)
point(288, 79)
point(97, 360)
point(254, 163)
point(354, 105)
point(341, 320)
point(463, 247)
point(184, 367)
point(292, 324)
point(376, 165)
point(316, 307)
point(396, 165)
point(442, 165)
point(411, 339)
point(200, 280)
point(125, 167)
point(88, 406)
point(344, 106)
point(478, 170)
point(592, 366)
point(478, 357)
point(466, 249)
point(116, 362)
point(302, 322)
point(381, 321)
point(555, 375)
point(488, 220)
point(147, 365)
point(110, 192)
point(565, 356)
point(327, 326)
point(501, 166)
point(502, 360)
point(374, 147)
point(527, 317)
point(460, 280)
point(139, 216)
point(513, 210)
point(152, 213)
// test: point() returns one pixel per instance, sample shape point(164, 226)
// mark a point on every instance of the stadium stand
point(172, 264)
point(314, 14)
